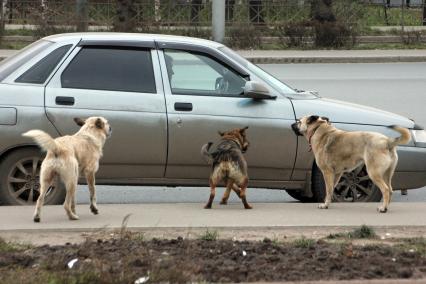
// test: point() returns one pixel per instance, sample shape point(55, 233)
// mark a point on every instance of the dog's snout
point(296, 130)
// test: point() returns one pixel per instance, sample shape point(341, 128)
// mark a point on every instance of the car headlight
point(419, 136)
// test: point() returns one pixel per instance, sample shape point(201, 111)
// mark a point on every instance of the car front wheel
point(20, 180)
point(354, 186)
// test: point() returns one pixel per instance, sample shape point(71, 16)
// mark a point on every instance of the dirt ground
point(125, 257)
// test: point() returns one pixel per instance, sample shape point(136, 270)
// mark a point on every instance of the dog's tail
point(403, 139)
point(44, 140)
point(205, 153)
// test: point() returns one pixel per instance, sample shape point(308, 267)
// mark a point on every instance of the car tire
point(354, 186)
point(297, 194)
point(20, 182)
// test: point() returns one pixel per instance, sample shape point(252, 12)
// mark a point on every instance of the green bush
point(295, 34)
point(244, 36)
point(334, 34)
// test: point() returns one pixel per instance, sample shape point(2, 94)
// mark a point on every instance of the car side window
point(192, 73)
point(111, 68)
point(38, 73)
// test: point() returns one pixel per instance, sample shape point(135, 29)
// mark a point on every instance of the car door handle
point(66, 101)
point(183, 106)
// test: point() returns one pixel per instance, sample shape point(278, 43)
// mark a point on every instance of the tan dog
point(337, 152)
point(67, 156)
point(228, 165)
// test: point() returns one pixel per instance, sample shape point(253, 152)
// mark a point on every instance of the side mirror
point(257, 91)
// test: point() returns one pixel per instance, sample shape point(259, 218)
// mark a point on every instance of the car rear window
point(38, 73)
point(11, 64)
point(111, 68)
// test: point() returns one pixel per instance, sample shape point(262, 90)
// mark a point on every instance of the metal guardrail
point(196, 13)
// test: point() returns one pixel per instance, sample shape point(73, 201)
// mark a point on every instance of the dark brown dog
point(228, 165)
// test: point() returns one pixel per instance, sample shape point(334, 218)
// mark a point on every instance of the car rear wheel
point(354, 186)
point(20, 180)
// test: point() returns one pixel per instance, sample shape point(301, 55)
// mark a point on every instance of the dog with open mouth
point(228, 165)
point(69, 155)
point(337, 151)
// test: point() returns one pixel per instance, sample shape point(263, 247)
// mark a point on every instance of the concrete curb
point(305, 59)
point(311, 60)
point(349, 59)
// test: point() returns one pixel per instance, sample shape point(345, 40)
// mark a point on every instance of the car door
point(204, 96)
point(121, 81)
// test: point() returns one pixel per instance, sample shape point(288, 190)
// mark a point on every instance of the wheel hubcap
point(355, 186)
point(24, 180)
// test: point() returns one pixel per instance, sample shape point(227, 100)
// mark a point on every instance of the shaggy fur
point(337, 151)
point(68, 156)
point(228, 165)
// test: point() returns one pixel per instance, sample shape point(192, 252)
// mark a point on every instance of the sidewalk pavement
point(192, 215)
point(318, 56)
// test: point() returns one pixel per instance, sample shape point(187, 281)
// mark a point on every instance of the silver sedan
point(165, 96)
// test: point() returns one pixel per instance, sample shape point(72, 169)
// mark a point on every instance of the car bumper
point(411, 170)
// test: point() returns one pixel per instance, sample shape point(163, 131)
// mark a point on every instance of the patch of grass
point(304, 243)
point(336, 236)
point(209, 235)
point(414, 245)
point(12, 247)
point(368, 46)
point(13, 45)
point(140, 237)
point(364, 232)
point(19, 275)
point(123, 229)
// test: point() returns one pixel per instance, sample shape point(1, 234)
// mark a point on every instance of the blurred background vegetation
point(249, 23)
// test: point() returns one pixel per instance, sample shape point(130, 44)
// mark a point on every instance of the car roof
point(132, 36)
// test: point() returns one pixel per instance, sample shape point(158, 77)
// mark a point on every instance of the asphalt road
point(396, 87)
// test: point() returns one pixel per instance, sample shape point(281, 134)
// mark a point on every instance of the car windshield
point(12, 63)
point(259, 72)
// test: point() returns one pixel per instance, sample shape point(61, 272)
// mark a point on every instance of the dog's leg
point(389, 173)
point(377, 173)
point(329, 187)
point(45, 181)
point(227, 192)
point(90, 177)
point(71, 187)
point(379, 181)
point(73, 203)
point(243, 194)
point(70, 179)
point(236, 189)
point(212, 194)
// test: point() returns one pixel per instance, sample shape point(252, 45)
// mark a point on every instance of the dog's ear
point(325, 118)
point(99, 123)
point(243, 129)
point(79, 121)
point(221, 133)
point(312, 119)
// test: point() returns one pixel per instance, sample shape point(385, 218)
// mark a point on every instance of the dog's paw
point(94, 210)
point(223, 202)
point(73, 217)
point(323, 206)
point(208, 207)
point(248, 206)
point(382, 209)
point(36, 219)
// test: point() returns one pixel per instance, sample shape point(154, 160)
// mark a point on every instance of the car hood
point(344, 112)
